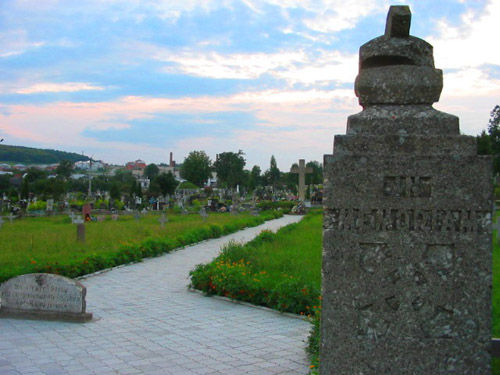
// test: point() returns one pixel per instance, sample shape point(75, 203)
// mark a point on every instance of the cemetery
point(54, 245)
point(392, 258)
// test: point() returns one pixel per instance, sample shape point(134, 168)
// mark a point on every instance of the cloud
point(336, 15)
point(16, 42)
point(57, 87)
point(469, 44)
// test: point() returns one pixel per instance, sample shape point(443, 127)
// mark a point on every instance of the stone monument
point(44, 296)
point(407, 225)
point(302, 170)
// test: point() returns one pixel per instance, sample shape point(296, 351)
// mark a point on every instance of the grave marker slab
point(44, 296)
point(80, 228)
point(407, 225)
point(162, 220)
point(1, 222)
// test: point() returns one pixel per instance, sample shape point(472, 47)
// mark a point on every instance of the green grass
point(49, 244)
point(279, 270)
point(287, 264)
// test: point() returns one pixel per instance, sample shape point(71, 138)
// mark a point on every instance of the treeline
point(29, 155)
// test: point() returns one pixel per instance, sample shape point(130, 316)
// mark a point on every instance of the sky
point(122, 80)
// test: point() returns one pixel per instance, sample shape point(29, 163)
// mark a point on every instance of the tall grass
point(281, 270)
point(50, 243)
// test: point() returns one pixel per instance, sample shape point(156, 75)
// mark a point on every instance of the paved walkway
point(149, 323)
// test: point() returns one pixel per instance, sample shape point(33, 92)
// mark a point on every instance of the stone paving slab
point(149, 323)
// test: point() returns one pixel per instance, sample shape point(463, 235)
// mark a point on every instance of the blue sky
point(129, 79)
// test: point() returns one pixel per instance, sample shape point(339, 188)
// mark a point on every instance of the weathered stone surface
point(44, 296)
point(399, 84)
point(407, 229)
point(398, 22)
point(402, 119)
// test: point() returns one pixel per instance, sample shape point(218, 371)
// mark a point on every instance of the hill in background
point(28, 155)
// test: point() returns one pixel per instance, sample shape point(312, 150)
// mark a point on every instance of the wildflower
point(33, 261)
point(312, 366)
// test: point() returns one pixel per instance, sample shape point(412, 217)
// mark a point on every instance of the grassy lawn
point(283, 271)
point(49, 244)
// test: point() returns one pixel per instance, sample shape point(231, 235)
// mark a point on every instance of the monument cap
point(397, 68)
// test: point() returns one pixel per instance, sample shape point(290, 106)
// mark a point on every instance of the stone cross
point(302, 170)
point(11, 217)
point(163, 219)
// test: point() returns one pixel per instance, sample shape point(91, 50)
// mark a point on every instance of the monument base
point(6, 313)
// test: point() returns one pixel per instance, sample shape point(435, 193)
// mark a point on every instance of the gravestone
point(407, 225)
point(50, 205)
point(1, 222)
point(80, 228)
point(11, 217)
point(44, 296)
point(203, 213)
point(101, 218)
point(235, 207)
point(302, 170)
point(87, 211)
point(137, 216)
point(114, 217)
point(162, 220)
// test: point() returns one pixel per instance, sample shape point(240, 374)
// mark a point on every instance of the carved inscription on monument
point(377, 219)
point(407, 186)
point(43, 292)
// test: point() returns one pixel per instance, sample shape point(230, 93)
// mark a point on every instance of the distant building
point(144, 183)
point(88, 166)
point(135, 165)
point(19, 167)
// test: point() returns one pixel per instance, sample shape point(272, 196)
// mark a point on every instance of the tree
point(316, 177)
point(196, 168)
point(64, 169)
point(25, 188)
point(255, 179)
point(489, 144)
point(151, 171)
point(167, 183)
point(114, 190)
point(484, 144)
point(229, 167)
point(274, 173)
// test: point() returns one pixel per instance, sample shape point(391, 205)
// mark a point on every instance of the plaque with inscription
point(407, 225)
point(44, 296)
